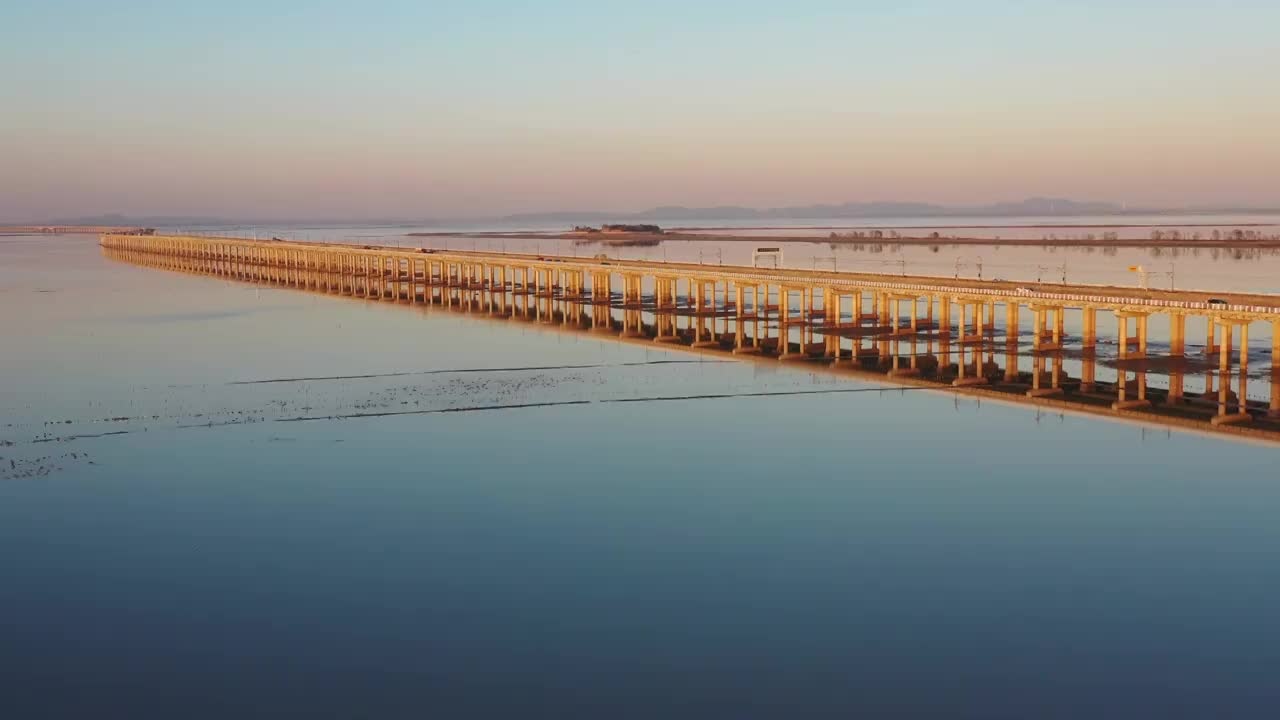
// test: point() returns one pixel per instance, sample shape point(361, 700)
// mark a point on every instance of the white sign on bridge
point(774, 253)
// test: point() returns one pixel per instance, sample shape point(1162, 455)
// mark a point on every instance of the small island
point(622, 235)
point(615, 228)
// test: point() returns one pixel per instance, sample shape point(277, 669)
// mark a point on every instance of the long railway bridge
point(913, 329)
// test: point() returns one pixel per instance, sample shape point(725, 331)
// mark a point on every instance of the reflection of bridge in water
point(915, 330)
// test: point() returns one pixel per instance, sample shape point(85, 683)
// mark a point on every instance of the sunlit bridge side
point(967, 336)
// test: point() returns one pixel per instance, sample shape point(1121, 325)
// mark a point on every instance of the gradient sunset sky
point(417, 109)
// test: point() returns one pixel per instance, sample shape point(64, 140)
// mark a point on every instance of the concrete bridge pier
point(1223, 347)
point(667, 295)
point(1011, 329)
point(1275, 344)
point(895, 321)
point(1241, 413)
point(1126, 341)
point(740, 346)
point(1273, 410)
point(1211, 341)
point(965, 308)
point(1043, 339)
point(1177, 335)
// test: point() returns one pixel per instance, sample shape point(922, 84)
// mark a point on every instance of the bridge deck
point(1125, 299)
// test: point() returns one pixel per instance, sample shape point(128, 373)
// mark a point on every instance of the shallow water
point(381, 531)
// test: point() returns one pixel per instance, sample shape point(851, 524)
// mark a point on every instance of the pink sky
point(464, 114)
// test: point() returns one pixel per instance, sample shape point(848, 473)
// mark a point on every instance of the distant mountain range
point(1030, 206)
point(1035, 207)
point(117, 219)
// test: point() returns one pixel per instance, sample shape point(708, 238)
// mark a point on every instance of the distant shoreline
point(677, 236)
point(69, 230)
point(1048, 226)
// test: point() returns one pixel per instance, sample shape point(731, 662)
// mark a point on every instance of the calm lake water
point(384, 531)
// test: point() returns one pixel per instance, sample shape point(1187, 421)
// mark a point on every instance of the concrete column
point(1037, 325)
point(1177, 334)
point(738, 334)
point(1275, 344)
point(1244, 350)
point(1224, 352)
point(1274, 410)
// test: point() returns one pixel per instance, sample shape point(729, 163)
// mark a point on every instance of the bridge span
point(911, 329)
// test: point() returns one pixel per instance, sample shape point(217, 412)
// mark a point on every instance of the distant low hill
point(1030, 206)
point(676, 214)
point(186, 221)
point(152, 221)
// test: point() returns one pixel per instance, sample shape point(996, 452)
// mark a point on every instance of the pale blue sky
point(271, 109)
